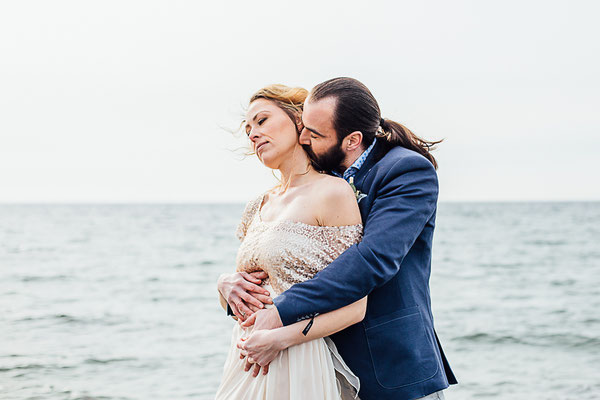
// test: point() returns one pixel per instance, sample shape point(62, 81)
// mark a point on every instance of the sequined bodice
point(290, 252)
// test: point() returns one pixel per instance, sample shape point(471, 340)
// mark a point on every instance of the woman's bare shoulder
point(335, 202)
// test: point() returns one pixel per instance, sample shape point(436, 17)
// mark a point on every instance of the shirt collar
point(356, 165)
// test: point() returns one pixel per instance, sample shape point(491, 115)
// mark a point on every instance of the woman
point(292, 232)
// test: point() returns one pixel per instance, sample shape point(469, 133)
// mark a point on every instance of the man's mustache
point(314, 160)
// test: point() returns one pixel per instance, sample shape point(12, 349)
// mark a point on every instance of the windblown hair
point(289, 99)
point(357, 110)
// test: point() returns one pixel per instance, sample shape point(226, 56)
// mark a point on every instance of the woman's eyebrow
point(256, 115)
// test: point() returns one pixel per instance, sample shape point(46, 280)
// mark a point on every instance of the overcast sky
point(130, 101)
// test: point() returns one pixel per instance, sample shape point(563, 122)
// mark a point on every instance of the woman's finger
point(250, 321)
point(266, 369)
point(247, 366)
point(256, 370)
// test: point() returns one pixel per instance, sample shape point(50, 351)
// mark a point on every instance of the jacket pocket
point(401, 352)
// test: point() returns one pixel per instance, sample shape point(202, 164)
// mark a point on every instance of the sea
point(119, 301)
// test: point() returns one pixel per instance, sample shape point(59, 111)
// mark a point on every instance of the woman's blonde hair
point(289, 99)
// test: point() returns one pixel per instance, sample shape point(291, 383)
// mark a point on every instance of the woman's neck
point(296, 170)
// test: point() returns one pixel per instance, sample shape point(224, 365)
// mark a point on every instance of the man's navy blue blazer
point(394, 351)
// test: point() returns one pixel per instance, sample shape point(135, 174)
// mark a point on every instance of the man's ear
point(353, 141)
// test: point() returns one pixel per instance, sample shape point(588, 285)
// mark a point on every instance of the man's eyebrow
point(313, 131)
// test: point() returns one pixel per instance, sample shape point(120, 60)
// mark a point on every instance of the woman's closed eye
point(260, 121)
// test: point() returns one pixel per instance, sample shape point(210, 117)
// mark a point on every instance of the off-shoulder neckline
point(260, 201)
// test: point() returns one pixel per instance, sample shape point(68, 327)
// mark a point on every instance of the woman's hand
point(261, 347)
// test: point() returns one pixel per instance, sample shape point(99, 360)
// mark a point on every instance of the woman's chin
point(268, 162)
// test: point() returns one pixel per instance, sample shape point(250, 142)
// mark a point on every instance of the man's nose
point(304, 137)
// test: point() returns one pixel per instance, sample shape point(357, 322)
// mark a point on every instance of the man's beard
point(328, 162)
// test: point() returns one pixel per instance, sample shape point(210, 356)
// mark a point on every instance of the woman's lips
point(260, 146)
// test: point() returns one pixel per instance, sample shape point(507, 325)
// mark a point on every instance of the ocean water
point(119, 301)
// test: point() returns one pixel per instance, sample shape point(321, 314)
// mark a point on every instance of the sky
point(135, 101)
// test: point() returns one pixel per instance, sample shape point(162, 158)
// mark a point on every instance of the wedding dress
point(290, 252)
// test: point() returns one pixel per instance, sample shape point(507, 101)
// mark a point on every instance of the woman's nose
point(254, 135)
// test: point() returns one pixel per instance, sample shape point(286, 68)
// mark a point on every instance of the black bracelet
point(310, 324)
point(229, 310)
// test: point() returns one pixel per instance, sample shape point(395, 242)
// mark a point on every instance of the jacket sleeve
point(406, 199)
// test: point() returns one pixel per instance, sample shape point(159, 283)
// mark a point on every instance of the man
point(394, 350)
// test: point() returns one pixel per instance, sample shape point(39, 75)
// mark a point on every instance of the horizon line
point(202, 202)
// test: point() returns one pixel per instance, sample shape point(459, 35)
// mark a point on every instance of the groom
point(394, 351)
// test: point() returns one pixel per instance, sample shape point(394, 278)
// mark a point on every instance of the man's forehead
point(319, 112)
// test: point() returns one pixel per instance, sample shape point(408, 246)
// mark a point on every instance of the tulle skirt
point(311, 370)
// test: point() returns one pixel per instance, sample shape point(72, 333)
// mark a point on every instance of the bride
point(291, 232)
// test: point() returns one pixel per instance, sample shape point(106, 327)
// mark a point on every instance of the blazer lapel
point(371, 160)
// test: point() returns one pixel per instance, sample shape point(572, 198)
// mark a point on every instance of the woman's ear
point(299, 124)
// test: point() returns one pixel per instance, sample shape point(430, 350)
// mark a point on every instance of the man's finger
point(237, 313)
point(233, 302)
point(243, 309)
point(249, 321)
point(266, 369)
point(260, 274)
point(262, 298)
point(249, 299)
point(251, 278)
point(247, 366)
point(249, 287)
point(256, 370)
point(253, 308)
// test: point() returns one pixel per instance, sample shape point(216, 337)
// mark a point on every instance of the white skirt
point(311, 370)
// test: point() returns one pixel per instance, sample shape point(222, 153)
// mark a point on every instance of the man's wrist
point(229, 311)
point(220, 281)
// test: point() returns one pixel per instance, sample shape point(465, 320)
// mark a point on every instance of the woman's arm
point(262, 346)
point(323, 325)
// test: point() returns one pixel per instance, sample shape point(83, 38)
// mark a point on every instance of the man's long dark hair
point(357, 110)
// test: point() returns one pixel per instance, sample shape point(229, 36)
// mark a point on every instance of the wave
point(546, 340)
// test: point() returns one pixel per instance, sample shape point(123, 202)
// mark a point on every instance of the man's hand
point(243, 293)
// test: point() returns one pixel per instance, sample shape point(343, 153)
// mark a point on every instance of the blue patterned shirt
point(353, 169)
